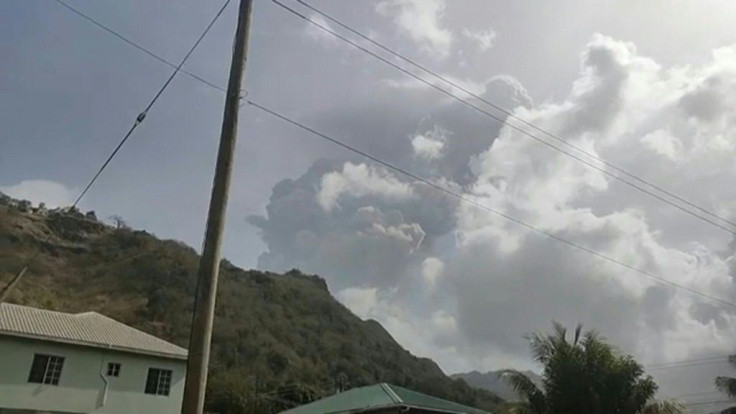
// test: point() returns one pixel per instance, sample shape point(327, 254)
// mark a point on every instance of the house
point(54, 362)
point(382, 399)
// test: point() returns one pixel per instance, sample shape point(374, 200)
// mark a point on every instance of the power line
point(710, 402)
point(697, 394)
point(217, 87)
point(143, 114)
point(139, 47)
point(448, 81)
point(139, 119)
point(469, 200)
point(515, 127)
point(427, 70)
point(676, 366)
point(692, 362)
point(508, 112)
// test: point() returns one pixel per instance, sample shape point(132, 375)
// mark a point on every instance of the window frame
point(46, 369)
point(113, 369)
point(158, 381)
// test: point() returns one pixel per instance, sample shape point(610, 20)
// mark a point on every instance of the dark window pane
point(113, 369)
point(158, 381)
point(38, 368)
point(152, 381)
point(46, 369)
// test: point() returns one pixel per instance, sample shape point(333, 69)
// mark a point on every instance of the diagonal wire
point(471, 201)
point(710, 402)
point(510, 113)
point(501, 121)
point(143, 114)
point(139, 119)
point(139, 47)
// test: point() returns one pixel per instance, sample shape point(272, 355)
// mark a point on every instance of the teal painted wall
point(81, 389)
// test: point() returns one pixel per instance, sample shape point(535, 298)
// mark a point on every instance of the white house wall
point(81, 389)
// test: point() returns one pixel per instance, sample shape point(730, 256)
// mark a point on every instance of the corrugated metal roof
point(89, 329)
point(378, 397)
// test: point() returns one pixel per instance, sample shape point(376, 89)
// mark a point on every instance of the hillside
point(282, 338)
point(494, 382)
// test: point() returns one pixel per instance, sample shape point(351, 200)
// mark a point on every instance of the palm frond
point(665, 407)
point(542, 347)
point(525, 387)
point(560, 332)
point(727, 385)
point(578, 330)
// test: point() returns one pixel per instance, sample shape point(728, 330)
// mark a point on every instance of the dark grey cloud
point(706, 102)
point(367, 240)
point(339, 246)
point(599, 103)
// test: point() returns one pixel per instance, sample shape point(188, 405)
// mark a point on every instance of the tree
point(119, 222)
point(585, 375)
point(727, 385)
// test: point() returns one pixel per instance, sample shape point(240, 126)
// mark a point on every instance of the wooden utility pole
point(209, 264)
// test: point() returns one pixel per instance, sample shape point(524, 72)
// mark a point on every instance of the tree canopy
point(586, 375)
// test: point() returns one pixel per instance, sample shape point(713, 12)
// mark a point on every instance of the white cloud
point(317, 34)
point(444, 323)
point(410, 233)
point(41, 191)
point(429, 145)
point(407, 326)
point(358, 180)
point(362, 301)
point(420, 19)
point(626, 108)
point(663, 124)
point(485, 39)
point(496, 280)
point(432, 269)
point(663, 144)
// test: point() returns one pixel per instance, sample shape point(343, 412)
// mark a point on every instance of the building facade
point(52, 362)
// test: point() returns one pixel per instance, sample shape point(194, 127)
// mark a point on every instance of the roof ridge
point(86, 313)
point(15, 305)
point(390, 392)
point(128, 327)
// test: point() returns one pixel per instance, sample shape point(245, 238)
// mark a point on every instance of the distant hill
point(493, 382)
point(279, 340)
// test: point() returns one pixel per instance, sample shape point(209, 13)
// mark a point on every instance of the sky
point(645, 86)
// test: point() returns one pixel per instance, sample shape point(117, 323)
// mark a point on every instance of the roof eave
point(95, 345)
point(403, 406)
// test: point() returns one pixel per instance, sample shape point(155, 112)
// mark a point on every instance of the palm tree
point(585, 375)
point(727, 384)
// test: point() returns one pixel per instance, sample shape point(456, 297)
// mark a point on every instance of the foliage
point(284, 332)
point(584, 374)
point(727, 385)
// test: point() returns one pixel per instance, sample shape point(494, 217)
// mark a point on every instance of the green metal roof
point(380, 396)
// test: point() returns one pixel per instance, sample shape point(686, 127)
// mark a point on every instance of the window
point(113, 369)
point(46, 369)
point(158, 382)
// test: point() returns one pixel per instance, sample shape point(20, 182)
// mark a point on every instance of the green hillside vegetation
point(282, 338)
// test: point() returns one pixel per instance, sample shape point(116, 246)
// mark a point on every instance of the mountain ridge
point(275, 334)
point(493, 381)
